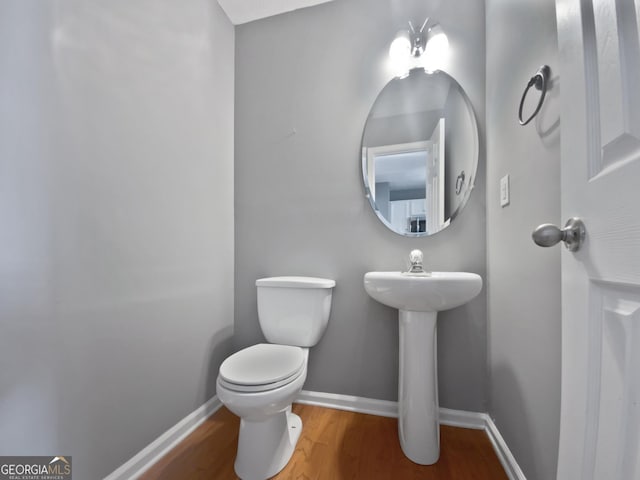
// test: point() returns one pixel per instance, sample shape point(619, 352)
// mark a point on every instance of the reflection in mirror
point(419, 140)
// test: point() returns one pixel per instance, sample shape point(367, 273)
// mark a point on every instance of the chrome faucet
point(415, 259)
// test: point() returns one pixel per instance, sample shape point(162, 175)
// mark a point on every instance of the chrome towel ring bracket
point(541, 81)
point(459, 182)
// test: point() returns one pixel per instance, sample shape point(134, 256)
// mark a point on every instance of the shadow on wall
point(220, 347)
point(547, 122)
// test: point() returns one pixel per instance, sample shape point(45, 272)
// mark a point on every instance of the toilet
point(260, 382)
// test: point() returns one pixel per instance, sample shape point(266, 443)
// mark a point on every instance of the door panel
point(613, 382)
point(600, 100)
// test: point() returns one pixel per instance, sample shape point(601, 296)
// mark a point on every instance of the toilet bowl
point(260, 382)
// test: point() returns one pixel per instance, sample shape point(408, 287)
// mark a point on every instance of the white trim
point(463, 419)
point(453, 418)
point(141, 462)
point(350, 403)
point(505, 456)
point(153, 452)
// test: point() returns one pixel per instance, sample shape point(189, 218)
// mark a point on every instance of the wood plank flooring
point(334, 445)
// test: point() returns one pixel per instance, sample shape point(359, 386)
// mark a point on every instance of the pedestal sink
point(419, 298)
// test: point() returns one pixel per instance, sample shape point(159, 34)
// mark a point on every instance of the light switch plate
point(505, 197)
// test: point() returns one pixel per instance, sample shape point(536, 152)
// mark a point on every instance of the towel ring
point(540, 81)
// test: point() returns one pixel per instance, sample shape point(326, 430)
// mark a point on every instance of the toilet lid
point(262, 364)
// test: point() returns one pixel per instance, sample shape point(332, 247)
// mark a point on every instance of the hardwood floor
point(334, 445)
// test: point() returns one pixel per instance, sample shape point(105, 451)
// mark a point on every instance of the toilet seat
point(262, 367)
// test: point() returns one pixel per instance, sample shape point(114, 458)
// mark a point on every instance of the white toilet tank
point(294, 310)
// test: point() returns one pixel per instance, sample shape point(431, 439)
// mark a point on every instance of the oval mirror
point(420, 153)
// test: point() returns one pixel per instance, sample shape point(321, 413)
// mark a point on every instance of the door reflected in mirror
point(420, 137)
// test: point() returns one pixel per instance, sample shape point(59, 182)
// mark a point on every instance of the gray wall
point(305, 82)
point(524, 280)
point(116, 221)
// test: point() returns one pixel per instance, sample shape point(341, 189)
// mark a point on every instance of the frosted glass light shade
point(436, 51)
point(400, 49)
point(400, 54)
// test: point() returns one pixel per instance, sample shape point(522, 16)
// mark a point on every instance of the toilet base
point(265, 447)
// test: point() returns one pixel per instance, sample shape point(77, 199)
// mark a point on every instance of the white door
point(435, 180)
point(599, 73)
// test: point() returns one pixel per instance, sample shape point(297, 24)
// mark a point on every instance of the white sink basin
point(414, 293)
point(419, 298)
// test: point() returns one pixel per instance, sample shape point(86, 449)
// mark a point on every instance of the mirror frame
point(470, 177)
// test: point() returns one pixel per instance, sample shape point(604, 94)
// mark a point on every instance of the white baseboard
point(454, 418)
point(381, 408)
point(141, 462)
point(387, 408)
point(505, 456)
point(463, 419)
point(384, 408)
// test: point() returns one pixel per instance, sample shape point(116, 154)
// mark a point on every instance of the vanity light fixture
point(419, 49)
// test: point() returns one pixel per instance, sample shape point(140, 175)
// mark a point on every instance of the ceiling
point(243, 11)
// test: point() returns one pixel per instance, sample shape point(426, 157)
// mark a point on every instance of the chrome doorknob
point(573, 233)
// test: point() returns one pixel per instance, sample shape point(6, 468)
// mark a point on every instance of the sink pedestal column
point(418, 424)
